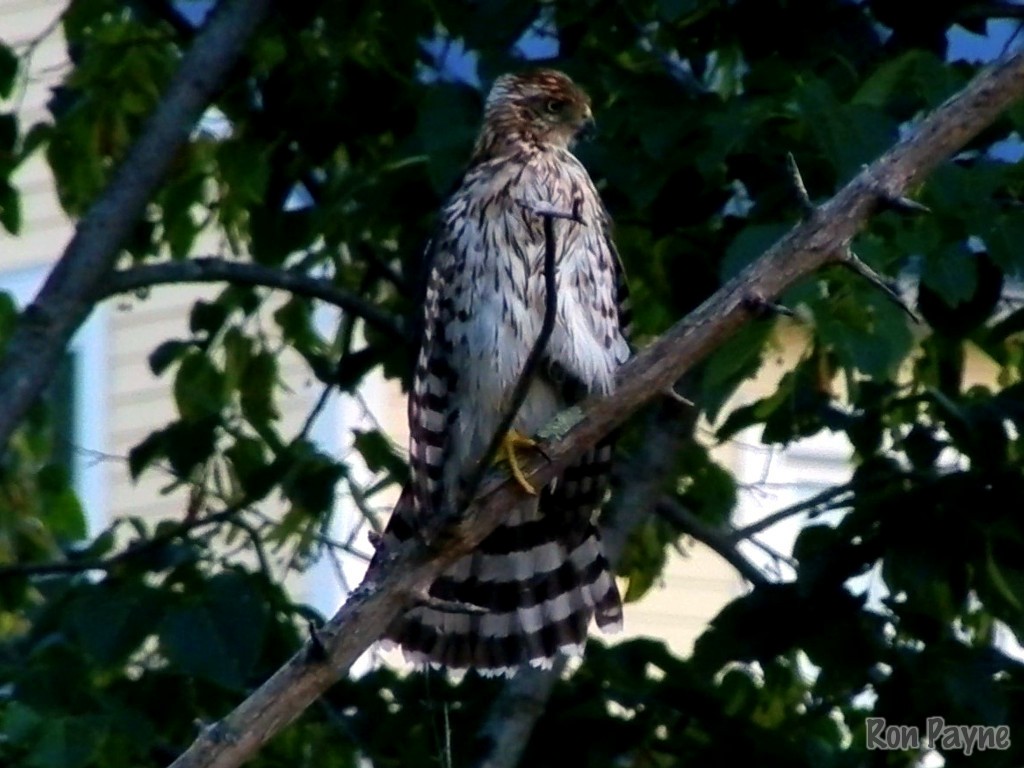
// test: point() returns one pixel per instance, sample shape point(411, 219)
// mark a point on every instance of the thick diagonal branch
point(72, 288)
point(819, 240)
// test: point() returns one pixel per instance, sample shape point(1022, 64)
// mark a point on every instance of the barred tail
point(540, 578)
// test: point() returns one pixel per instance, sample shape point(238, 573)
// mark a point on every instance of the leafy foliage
point(333, 145)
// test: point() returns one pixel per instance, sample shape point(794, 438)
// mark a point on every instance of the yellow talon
point(507, 453)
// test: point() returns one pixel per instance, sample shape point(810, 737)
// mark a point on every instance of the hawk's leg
point(507, 453)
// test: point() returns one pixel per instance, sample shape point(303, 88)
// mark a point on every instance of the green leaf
point(746, 416)
point(951, 273)
point(1001, 582)
point(9, 65)
point(166, 353)
point(813, 543)
point(249, 462)
point(145, 453)
point(199, 387)
point(10, 208)
point(1005, 242)
point(311, 480)
point(445, 132)
point(62, 512)
point(643, 557)
point(208, 317)
point(64, 742)
point(37, 135)
point(735, 361)
point(738, 693)
point(379, 453)
point(276, 235)
point(238, 351)
point(20, 723)
point(101, 546)
point(111, 619)
point(353, 367)
point(295, 319)
point(922, 447)
point(708, 490)
point(8, 136)
point(243, 165)
point(890, 79)
point(864, 328)
point(257, 390)
point(180, 230)
point(672, 10)
point(8, 316)
point(188, 444)
point(750, 244)
point(849, 135)
point(733, 634)
point(217, 634)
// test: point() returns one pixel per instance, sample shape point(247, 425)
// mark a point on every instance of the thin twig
point(777, 556)
point(796, 180)
point(26, 52)
point(719, 541)
point(133, 551)
point(901, 203)
point(853, 262)
point(318, 407)
point(256, 539)
point(830, 498)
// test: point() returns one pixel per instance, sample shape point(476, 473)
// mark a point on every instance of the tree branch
point(411, 567)
point(514, 713)
point(214, 270)
point(69, 294)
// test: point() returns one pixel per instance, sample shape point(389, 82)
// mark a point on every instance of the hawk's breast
point(497, 297)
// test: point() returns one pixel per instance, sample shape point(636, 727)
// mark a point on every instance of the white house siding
point(135, 402)
point(140, 402)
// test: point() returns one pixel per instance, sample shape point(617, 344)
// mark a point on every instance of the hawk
point(541, 576)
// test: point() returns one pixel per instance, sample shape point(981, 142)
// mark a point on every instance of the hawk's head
point(542, 105)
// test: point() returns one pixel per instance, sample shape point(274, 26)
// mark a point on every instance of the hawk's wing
point(582, 488)
point(434, 382)
point(430, 397)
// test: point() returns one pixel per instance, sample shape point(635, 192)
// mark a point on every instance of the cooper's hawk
point(541, 575)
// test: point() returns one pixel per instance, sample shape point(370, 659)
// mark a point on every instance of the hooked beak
point(588, 126)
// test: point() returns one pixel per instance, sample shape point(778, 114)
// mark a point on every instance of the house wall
point(132, 400)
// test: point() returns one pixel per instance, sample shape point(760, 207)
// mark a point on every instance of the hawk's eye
point(554, 106)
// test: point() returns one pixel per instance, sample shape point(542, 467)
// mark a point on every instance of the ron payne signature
point(937, 735)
